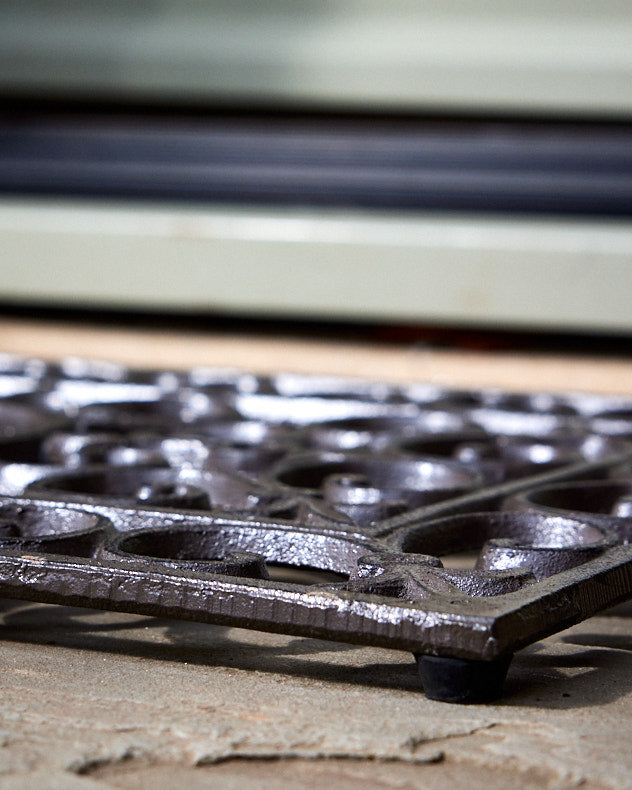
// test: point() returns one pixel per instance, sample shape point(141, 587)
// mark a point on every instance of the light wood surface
point(180, 349)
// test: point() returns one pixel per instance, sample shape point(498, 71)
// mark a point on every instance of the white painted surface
point(288, 263)
point(506, 55)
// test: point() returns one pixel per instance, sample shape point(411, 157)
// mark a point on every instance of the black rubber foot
point(462, 681)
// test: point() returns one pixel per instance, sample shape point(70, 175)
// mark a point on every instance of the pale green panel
point(562, 56)
point(490, 272)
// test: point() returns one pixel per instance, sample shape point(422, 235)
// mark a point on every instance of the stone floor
point(100, 700)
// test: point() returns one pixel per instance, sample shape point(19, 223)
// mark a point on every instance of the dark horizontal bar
point(482, 166)
point(436, 335)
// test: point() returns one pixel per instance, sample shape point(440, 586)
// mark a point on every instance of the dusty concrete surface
point(99, 700)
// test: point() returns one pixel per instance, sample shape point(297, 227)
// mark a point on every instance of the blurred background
point(441, 171)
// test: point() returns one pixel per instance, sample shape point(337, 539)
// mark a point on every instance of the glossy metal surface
point(318, 507)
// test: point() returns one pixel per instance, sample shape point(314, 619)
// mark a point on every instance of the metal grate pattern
point(458, 525)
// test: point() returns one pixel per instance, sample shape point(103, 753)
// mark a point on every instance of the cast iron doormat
point(319, 507)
